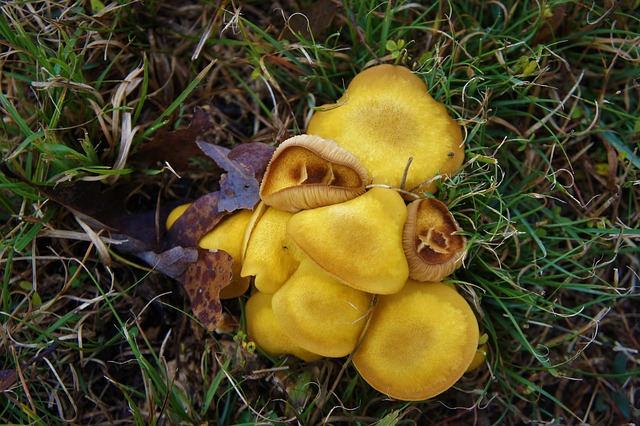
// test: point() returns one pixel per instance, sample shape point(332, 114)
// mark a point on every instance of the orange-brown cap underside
point(307, 172)
point(434, 238)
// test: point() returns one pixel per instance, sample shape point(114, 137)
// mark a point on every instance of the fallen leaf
point(239, 189)
point(87, 199)
point(198, 219)
point(8, 377)
point(173, 262)
point(203, 281)
point(548, 29)
point(177, 147)
point(313, 20)
point(254, 157)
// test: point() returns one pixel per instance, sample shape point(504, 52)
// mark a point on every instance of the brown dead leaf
point(548, 29)
point(9, 377)
point(80, 197)
point(253, 157)
point(203, 281)
point(173, 262)
point(239, 188)
point(176, 147)
point(201, 217)
point(313, 20)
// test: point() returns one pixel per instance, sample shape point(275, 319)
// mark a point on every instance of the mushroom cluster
point(341, 264)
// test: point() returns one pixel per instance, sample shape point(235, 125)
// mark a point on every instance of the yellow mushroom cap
point(431, 244)
point(479, 358)
point(175, 214)
point(419, 341)
point(359, 241)
point(269, 255)
point(307, 171)
point(266, 332)
point(227, 236)
point(386, 117)
point(320, 313)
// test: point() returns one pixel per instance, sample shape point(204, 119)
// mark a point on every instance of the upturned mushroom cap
point(430, 242)
point(227, 236)
point(307, 171)
point(320, 313)
point(386, 117)
point(269, 255)
point(419, 342)
point(266, 332)
point(359, 242)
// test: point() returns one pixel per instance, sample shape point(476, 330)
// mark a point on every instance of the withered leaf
point(176, 147)
point(203, 281)
point(254, 157)
point(239, 189)
point(172, 262)
point(8, 377)
point(84, 198)
point(100, 206)
point(199, 218)
point(314, 19)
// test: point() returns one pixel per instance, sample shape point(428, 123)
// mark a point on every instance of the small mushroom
point(478, 359)
point(359, 242)
point(266, 332)
point(419, 341)
point(270, 255)
point(430, 240)
point(227, 236)
point(320, 313)
point(307, 171)
point(387, 117)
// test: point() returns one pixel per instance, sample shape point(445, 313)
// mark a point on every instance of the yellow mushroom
point(266, 332)
point(320, 313)
point(359, 242)
point(478, 359)
point(387, 117)
point(227, 236)
point(430, 240)
point(481, 353)
point(270, 256)
point(175, 214)
point(307, 171)
point(419, 342)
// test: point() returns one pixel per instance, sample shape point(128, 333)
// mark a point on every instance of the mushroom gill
point(430, 241)
point(307, 171)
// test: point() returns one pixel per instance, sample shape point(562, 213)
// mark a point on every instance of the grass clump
point(548, 198)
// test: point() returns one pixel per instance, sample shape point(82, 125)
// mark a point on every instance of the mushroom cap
point(270, 256)
point(479, 358)
point(320, 313)
point(430, 242)
point(266, 332)
point(227, 236)
point(175, 214)
point(307, 171)
point(387, 117)
point(419, 341)
point(359, 242)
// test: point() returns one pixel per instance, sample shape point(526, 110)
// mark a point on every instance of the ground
point(102, 103)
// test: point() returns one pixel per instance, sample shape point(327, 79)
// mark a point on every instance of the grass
point(548, 94)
